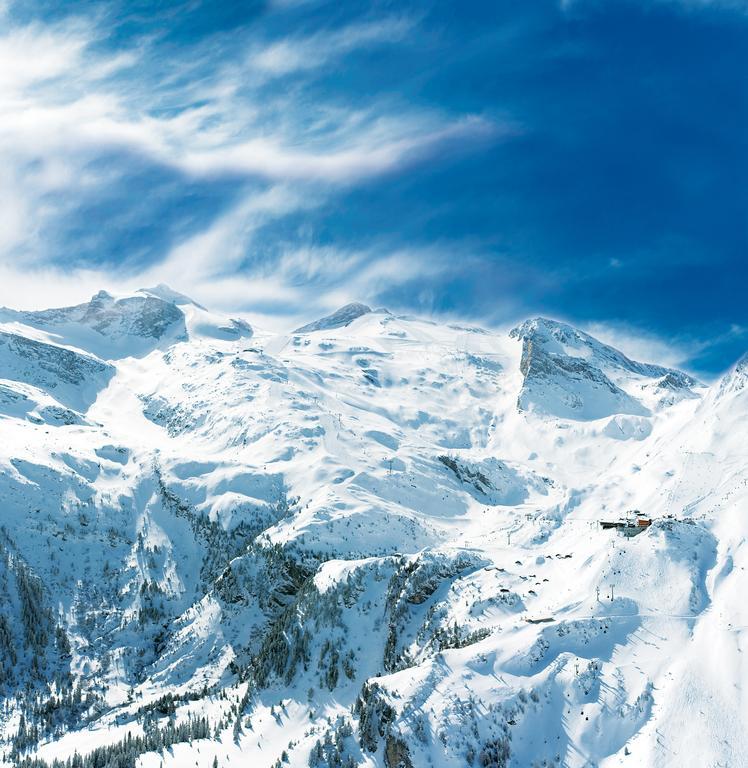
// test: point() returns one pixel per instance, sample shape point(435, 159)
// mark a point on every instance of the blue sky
point(586, 160)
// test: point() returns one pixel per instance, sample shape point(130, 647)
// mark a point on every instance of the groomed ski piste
point(374, 541)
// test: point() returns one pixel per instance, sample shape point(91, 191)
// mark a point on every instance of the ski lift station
point(632, 525)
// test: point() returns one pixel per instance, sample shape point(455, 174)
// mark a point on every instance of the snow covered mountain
point(572, 375)
point(338, 319)
point(374, 541)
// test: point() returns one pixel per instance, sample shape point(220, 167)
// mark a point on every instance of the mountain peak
point(338, 319)
point(165, 293)
point(570, 374)
point(372, 502)
point(561, 338)
point(736, 379)
point(109, 326)
point(549, 331)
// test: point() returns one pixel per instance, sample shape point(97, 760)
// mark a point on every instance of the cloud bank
point(485, 162)
point(76, 114)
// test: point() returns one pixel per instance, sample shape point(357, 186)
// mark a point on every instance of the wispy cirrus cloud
point(307, 282)
point(73, 110)
point(67, 105)
point(295, 54)
point(685, 351)
point(487, 160)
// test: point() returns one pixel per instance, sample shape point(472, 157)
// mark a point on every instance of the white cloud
point(380, 145)
point(218, 251)
point(33, 54)
point(40, 287)
point(313, 51)
point(371, 153)
point(57, 97)
point(647, 347)
point(65, 104)
point(302, 284)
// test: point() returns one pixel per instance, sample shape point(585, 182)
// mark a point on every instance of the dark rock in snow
point(338, 319)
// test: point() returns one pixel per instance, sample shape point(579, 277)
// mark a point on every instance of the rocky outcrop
point(71, 377)
point(338, 319)
point(569, 374)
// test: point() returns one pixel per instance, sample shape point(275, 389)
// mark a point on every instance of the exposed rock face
point(147, 317)
point(736, 380)
point(71, 378)
point(248, 550)
point(675, 380)
point(338, 319)
point(397, 754)
point(107, 327)
point(237, 328)
point(572, 375)
point(144, 316)
point(37, 362)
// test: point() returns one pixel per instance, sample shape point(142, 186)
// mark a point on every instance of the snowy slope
point(568, 373)
point(374, 541)
point(338, 319)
